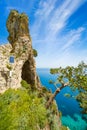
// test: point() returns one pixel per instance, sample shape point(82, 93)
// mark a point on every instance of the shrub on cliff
point(35, 53)
point(21, 111)
point(75, 78)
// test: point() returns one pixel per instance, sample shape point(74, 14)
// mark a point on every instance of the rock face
point(20, 50)
point(17, 25)
point(21, 65)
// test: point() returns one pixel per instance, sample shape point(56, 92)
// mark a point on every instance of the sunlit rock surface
point(20, 48)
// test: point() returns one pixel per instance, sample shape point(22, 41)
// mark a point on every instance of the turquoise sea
point(71, 112)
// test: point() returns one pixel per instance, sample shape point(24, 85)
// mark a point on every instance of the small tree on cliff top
point(75, 78)
point(35, 53)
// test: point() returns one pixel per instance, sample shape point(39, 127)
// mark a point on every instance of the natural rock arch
point(20, 47)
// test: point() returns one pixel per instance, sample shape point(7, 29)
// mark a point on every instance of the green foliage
point(35, 53)
point(24, 48)
point(51, 82)
point(67, 95)
point(44, 89)
point(21, 111)
point(82, 98)
point(54, 117)
point(64, 128)
point(53, 120)
point(60, 114)
point(9, 67)
point(76, 78)
point(54, 71)
point(54, 125)
point(54, 108)
point(25, 84)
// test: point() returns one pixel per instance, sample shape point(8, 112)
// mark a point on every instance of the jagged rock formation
point(17, 25)
point(23, 67)
point(20, 48)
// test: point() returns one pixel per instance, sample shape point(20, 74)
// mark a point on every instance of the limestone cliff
point(20, 48)
point(21, 66)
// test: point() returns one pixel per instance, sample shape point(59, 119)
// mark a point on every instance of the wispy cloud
point(50, 20)
point(46, 31)
point(45, 8)
point(53, 19)
point(42, 16)
point(61, 15)
point(72, 37)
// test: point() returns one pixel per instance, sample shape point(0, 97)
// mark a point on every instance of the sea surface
point(71, 112)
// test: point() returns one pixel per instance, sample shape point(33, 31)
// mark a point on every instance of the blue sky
point(58, 29)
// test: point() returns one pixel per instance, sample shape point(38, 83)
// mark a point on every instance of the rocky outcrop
point(17, 25)
point(20, 49)
point(17, 63)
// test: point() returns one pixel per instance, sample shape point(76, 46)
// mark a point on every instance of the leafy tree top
point(75, 78)
point(35, 53)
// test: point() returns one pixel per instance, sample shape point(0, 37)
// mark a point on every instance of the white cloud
point(51, 19)
point(56, 49)
point(42, 16)
point(73, 37)
point(62, 14)
point(45, 8)
point(54, 18)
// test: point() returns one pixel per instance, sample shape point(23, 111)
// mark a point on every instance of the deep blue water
point(71, 112)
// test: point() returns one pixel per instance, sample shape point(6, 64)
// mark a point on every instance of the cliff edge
point(18, 70)
point(16, 58)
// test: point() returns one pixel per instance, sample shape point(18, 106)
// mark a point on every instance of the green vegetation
point(76, 78)
point(67, 95)
point(54, 71)
point(21, 111)
point(25, 109)
point(82, 98)
point(25, 84)
point(24, 48)
point(9, 67)
point(35, 53)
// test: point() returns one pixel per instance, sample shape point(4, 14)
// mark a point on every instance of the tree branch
point(55, 93)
